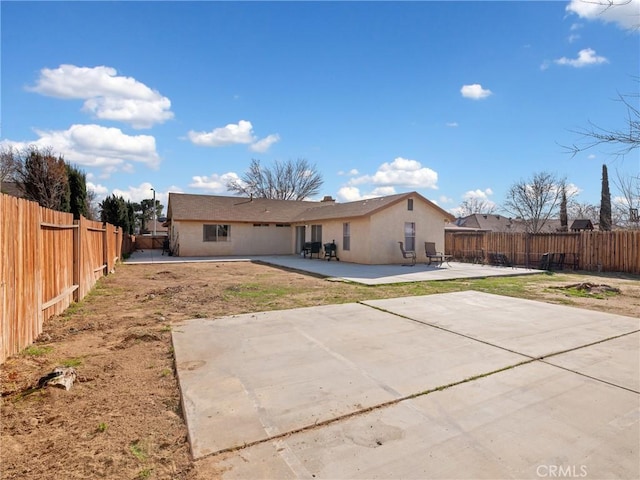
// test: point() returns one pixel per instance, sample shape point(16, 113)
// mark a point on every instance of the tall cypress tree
point(564, 219)
point(78, 203)
point(605, 202)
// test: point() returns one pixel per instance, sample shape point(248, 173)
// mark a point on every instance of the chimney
point(327, 199)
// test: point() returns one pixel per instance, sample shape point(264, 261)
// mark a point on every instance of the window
point(316, 233)
point(216, 233)
point(260, 224)
point(346, 236)
point(410, 236)
point(283, 225)
point(410, 204)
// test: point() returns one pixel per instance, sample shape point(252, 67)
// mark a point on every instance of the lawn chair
point(409, 254)
point(433, 256)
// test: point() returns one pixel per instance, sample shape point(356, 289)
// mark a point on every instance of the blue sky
point(452, 99)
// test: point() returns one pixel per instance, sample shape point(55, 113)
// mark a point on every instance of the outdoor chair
point(408, 254)
point(433, 256)
point(311, 248)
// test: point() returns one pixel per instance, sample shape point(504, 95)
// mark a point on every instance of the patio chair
point(409, 254)
point(433, 256)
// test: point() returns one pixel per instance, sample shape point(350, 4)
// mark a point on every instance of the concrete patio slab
point(533, 421)
point(345, 271)
point(388, 274)
point(441, 386)
point(615, 361)
point(531, 328)
point(252, 377)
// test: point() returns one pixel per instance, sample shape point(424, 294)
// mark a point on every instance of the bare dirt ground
point(122, 419)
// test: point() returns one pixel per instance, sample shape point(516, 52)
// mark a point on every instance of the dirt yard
point(122, 418)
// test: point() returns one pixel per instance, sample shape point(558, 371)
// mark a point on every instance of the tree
point(564, 218)
point(78, 198)
point(624, 140)
point(584, 211)
point(473, 205)
point(291, 180)
point(116, 211)
point(627, 207)
point(148, 212)
point(8, 164)
point(605, 202)
point(42, 177)
point(535, 200)
point(93, 208)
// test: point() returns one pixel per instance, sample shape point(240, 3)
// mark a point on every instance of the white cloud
point(625, 13)
point(264, 144)
point(107, 96)
point(475, 91)
point(452, 124)
point(352, 194)
point(445, 199)
point(574, 37)
point(240, 133)
point(214, 183)
point(350, 173)
point(585, 58)
point(100, 190)
point(401, 172)
point(108, 149)
point(478, 194)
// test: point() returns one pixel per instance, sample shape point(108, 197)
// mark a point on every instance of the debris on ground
point(593, 288)
point(62, 377)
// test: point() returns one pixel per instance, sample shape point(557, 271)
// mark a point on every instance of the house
point(365, 231)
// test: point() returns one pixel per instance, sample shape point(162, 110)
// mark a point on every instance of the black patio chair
point(408, 254)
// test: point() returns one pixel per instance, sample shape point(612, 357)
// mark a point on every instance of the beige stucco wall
point(388, 226)
point(374, 240)
point(245, 239)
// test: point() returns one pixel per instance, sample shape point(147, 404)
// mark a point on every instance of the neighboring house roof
point(11, 188)
point(582, 224)
point(493, 222)
point(238, 209)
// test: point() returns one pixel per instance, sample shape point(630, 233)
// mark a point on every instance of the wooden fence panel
point(616, 251)
point(47, 261)
point(91, 263)
point(56, 253)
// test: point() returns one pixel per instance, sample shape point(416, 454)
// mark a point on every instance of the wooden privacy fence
point(616, 251)
point(48, 260)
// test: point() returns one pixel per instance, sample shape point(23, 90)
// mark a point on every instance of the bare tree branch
point(291, 180)
point(535, 200)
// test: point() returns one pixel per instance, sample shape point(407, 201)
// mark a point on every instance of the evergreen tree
point(78, 200)
point(115, 210)
point(605, 202)
point(564, 219)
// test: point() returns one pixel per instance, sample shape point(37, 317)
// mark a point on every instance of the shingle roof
point(582, 224)
point(183, 206)
point(237, 209)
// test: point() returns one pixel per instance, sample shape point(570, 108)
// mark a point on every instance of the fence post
point(76, 259)
point(105, 249)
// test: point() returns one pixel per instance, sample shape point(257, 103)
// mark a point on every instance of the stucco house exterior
point(365, 231)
